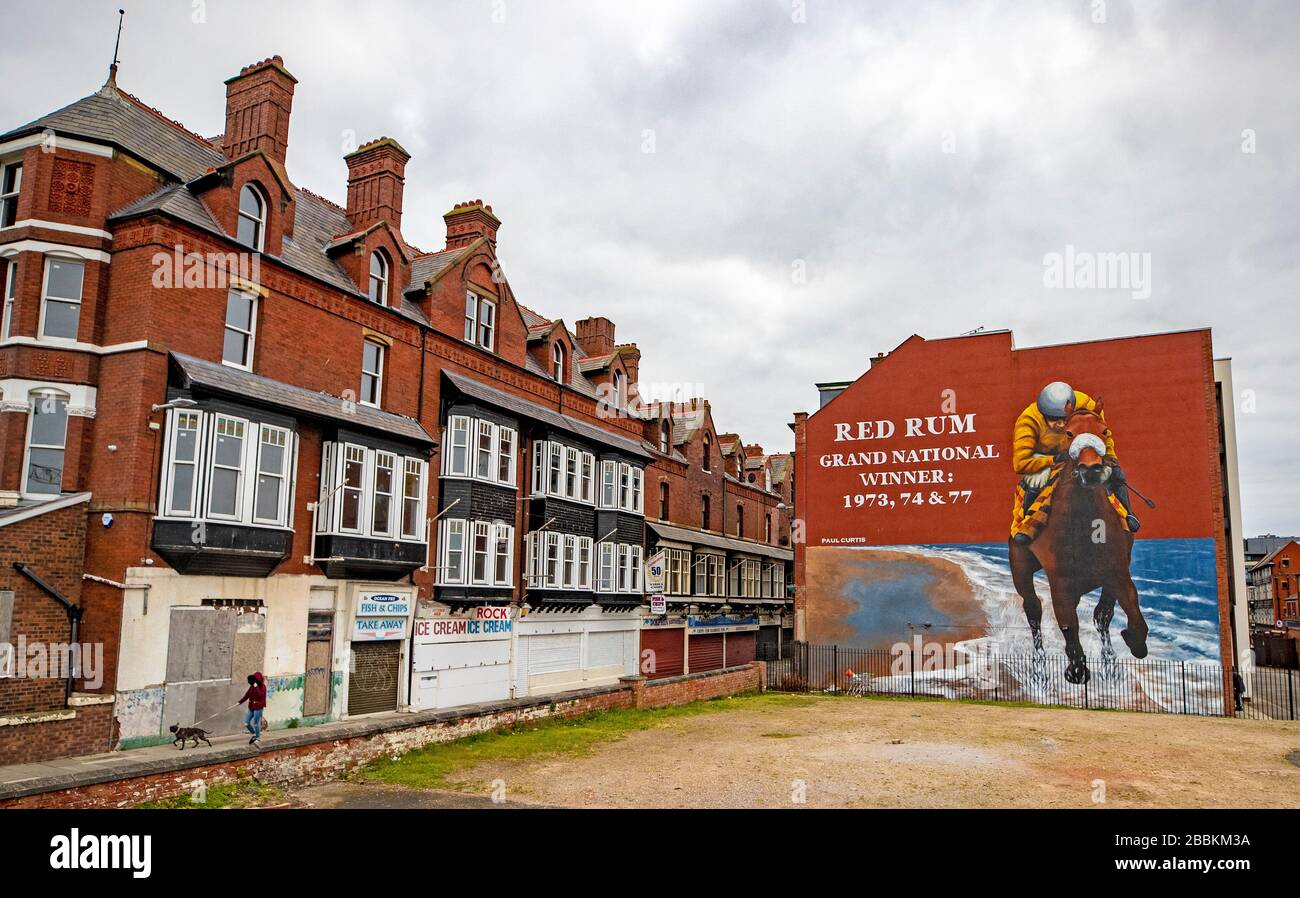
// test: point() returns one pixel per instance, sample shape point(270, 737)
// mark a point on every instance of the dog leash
point(218, 714)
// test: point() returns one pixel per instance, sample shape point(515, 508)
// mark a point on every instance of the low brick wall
point(294, 757)
point(60, 733)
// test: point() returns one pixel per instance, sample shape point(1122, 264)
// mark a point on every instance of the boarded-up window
point(200, 645)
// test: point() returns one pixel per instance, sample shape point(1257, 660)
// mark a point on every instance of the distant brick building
point(300, 445)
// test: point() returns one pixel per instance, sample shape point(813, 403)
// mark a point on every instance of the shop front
point(716, 641)
point(462, 659)
point(561, 650)
point(663, 645)
point(379, 637)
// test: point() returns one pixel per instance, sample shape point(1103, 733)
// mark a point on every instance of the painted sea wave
point(1177, 591)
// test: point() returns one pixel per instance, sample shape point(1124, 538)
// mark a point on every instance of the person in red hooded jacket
point(256, 698)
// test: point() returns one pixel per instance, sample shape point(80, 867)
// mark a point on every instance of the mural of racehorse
point(1083, 547)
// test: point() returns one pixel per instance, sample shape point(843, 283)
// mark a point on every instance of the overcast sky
point(762, 194)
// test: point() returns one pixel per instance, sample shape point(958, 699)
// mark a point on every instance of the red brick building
point(297, 443)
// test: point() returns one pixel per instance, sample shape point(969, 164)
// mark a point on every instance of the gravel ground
point(843, 752)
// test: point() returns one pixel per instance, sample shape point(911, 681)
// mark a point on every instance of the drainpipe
point(74, 613)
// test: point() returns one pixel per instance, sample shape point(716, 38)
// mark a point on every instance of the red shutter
point(706, 652)
point(669, 652)
point(740, 648)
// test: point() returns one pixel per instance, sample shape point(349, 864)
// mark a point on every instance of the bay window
point(226, 468)
point(482, 549)
point(622, 487)
point(452, 569)
point(557, 560)
point(677, 565)
point(605, 580)
point(371, 493)
point(480, 449)
point(564, 472)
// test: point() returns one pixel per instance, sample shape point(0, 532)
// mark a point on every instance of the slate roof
point(115, 117)
point(531, 410)
point(717, 541)
point(255, 388)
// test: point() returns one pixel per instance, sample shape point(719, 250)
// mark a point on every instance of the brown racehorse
point(1083, 547)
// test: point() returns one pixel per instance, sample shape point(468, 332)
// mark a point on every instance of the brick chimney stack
point(754, 450)
point(376, 176)
point(596, 335)
point(258, 102)
point(468, 221)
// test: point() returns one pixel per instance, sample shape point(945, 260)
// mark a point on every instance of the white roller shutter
point(605, 649)
point(554, 652)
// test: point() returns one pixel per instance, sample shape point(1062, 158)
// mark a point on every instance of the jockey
point(1039, 443)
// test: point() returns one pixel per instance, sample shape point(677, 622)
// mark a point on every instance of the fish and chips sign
point(381, 616)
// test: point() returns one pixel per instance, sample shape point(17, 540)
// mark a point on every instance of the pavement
point(19, 780)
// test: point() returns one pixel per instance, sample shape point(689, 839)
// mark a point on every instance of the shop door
point(740, 648)
point(669, 652)
point(320, 651)
point(372, 683)
point(706, 653)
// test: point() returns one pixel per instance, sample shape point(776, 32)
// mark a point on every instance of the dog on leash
point(185, 733)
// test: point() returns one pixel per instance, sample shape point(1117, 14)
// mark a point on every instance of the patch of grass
point(244, 793)
point(438, 766)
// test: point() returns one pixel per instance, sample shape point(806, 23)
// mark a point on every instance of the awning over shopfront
point(716, 541)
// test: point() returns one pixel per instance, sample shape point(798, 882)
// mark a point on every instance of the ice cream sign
point(381, 616)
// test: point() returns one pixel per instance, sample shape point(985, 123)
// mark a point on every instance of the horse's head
point(1088, 432)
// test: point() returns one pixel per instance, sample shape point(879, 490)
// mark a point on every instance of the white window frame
point(606, 580)
point(540, 452)
point(557, 361)
point(250, 335)
point(554, 469)
point(392, 493)
point(485, 467)
point(638, 490)
point(241, 469)
point(609, 484)
point(349, 453)
point(588, 475)
point(507, 441)
point(551, 560)
point(569, 562)
point(9, 198)
point(457, 425)
point(446, 530)
point(481, 322)
point(34, 397)
point(376, 376)
point(199, 419)
point(480, 530)
point(286, 465)
point(382, 278)
point(584, 562)
point(416, 466)
point(572, 473)
point(46, 298)
point(11, 294)
point(259, 221)
point(503, 550)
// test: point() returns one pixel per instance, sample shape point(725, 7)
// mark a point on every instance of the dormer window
point(620, 390)
point(557, 362)
point(252, 218)
point(378, 278)
point(708, 453)
point(11, 182)
point(665, 436)
point(480, 320)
